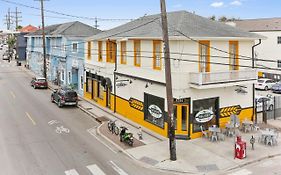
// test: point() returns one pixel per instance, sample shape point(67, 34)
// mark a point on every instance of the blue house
point(65, 53)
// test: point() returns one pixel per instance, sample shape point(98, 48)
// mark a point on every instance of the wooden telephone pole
point(44, 39)
point(169, 92)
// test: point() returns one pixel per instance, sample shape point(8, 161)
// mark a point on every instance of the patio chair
point(269, 141)
point(221, 136)
point(204, 133)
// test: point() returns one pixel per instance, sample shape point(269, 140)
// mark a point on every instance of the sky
point(132, 9)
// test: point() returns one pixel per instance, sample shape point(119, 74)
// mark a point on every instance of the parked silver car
point(268, 100)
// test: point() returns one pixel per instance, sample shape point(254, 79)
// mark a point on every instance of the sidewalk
point(198, 156)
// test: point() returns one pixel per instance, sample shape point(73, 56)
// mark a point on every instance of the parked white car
point(269, 102)
point(264, 84)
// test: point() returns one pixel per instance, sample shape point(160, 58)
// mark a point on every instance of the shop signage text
point(204, 116)
point(155, 111)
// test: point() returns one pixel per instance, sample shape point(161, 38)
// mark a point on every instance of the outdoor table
point(246, 124)
point(230, 129)
point(267, 135)
point(214, 133)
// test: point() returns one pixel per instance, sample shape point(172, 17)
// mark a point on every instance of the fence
point(269, 108)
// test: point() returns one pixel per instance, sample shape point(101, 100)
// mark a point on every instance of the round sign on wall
point(204, 116)
point(155, 111)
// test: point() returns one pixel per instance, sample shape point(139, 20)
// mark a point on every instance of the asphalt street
point(38, 138)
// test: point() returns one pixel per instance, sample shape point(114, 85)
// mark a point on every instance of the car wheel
point(59, 104)
point(265, 88)
point(270, 108)
point(52, 99)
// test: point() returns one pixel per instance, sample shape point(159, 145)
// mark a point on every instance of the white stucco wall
point(269, 50)
point(180, 50)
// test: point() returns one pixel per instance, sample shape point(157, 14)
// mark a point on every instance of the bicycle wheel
point(116, 130)
point(109, 126)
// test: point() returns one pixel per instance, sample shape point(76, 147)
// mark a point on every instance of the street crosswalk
point(94, 169)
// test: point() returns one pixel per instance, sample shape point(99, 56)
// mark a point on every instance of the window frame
point(123, 52)
point(74, 51)
point(204, 43)
point(137, 45)
point(236, 58)
point(111, 51)
point(155, 43)
point(89, 50)
point(100, 51)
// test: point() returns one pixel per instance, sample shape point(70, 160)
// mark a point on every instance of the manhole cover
point(148, 160)
point(207, 168)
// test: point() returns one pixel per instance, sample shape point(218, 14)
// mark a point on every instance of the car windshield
point(41, 80)
point(260, 81)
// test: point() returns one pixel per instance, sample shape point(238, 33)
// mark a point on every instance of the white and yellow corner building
point(211, 69)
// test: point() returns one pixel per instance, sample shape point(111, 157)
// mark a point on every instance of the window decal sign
point(204, 116)
point(155, 111)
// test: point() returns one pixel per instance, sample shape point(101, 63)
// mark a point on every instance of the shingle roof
point(255, 25)
point(75, 28)
point(188, 23)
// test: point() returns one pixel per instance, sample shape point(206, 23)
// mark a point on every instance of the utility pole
point(8, 20)
point(169, 92)
point(96, 23)
point(43, 39)
point(17, 17)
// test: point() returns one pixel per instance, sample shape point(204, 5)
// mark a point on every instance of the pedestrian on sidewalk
point(140, 133)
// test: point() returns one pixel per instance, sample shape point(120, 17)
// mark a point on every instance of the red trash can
point(240, 148)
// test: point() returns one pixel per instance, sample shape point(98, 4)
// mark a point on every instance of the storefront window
point(89, 85)
point(100, 91)
point(205, 113)
point(154, 110)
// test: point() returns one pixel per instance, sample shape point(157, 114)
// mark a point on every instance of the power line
point(64, 14)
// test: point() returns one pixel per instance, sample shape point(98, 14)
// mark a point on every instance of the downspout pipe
point(115, 69)
point(254, 115)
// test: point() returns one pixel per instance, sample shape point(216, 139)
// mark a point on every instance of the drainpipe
point(114, 74)
point(254, 115)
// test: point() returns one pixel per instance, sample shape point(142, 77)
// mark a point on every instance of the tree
point(11, 41)
point(223, 19)
point(19, 27)
point(213, 17)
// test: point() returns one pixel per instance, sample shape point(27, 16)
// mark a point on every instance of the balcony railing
point(222, 78)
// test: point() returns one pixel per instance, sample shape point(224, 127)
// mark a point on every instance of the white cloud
point(236, 3)
point(217, 4)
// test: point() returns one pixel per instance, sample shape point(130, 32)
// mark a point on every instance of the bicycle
point(111, 125)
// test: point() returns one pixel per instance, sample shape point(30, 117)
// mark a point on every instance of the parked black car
point(276, 88)
point(64, 96)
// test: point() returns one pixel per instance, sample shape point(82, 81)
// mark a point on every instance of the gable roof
point(187, 23)
point(29, 28)
point(256, 25)
point(75, 29)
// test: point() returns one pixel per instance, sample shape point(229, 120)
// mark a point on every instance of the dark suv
point(64, 96)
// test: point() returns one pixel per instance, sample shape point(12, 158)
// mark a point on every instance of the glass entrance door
point(181, 113)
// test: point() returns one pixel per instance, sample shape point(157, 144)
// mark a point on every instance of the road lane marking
point(118, 169)
point(95, 170)
point(90, 131)
point(71, 172)
point(12, 94)
point(30, 118)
